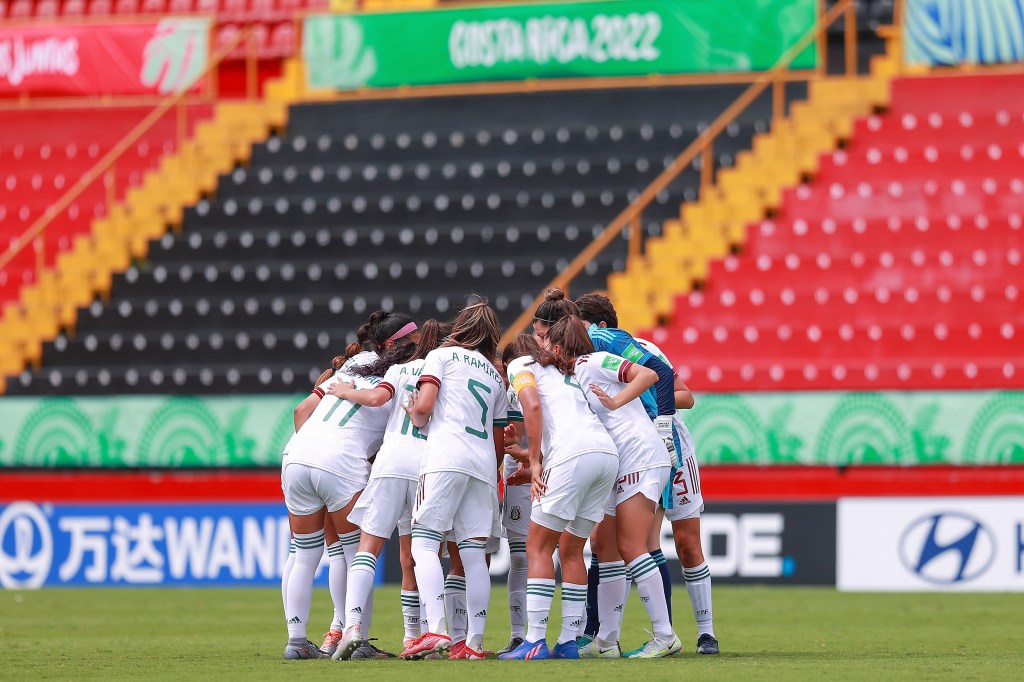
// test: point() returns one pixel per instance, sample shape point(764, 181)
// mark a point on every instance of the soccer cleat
point(528, 651)
point(467, 653)
point(305, 651)
point(707, 644)
point(511, 646)
point(659, 648)
point(566, 650)
point(632, 652)
point(455, 650)
point(351, 641)
point(426, 645)
point(599, 649)
point(584, 640)
point(369, 651)
point(331, 640)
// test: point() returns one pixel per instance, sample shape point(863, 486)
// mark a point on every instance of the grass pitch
point(777, 634)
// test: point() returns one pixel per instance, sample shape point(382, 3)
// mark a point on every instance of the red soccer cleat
point(427, 644)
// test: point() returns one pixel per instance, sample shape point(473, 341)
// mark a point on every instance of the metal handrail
point(36, 231)
point(630, 216)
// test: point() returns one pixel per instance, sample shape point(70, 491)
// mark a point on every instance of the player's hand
point(663, 423)
point(537, 485)
point(521, 476)
point(511, 435)
point(409, 403)
point(517, 453)
point(606, 400)
point(342, 389)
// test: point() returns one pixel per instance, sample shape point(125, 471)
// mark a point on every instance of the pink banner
point(104, 59)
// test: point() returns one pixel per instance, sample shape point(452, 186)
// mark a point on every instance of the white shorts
point(577, 489)
point(515, 517)
point(687, 501)
point(451, 500)
point(308, 489)
point(649, 483)
point(386, 503)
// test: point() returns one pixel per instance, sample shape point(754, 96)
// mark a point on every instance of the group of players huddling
point(578, 421)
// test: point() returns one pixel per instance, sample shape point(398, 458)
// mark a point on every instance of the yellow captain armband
point(523, 380)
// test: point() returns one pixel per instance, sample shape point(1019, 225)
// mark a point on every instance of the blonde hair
point(476, 328)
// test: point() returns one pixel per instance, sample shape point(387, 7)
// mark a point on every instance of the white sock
point(286, 571)
point(360, 584)
point(517, 573)
point(478, 589)
point(368, 613)
point(612, 591)
point(424, 626)
point(411, 613)
point(698, 585)
point(644, 572)
point(349, 543)
point(574, 605)
point(429, 577)
point(455, 607)
point(539, 593)
point(337, 581)
point(309, 549)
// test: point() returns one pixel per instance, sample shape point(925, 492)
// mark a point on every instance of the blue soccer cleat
point(566, 650)
point(528, 651)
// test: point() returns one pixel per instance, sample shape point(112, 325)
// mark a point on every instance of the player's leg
point(593, 624)
point(286, 572)
point(337, 583)
point(541, 541)
point(306, 518)
point(574, 587)
point(654, 547)
point(686, 533)
point(475, 521)
point(455, 597)
point(410, 593)
point(517, 576)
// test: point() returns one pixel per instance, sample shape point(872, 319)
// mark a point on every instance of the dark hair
point(595, 308)
point(554, 307)
point(432, 334)
point(476, 328)
point(336, 364)
point(570, 335)
point(364, 335)
point(526, 344)
point(388, 325)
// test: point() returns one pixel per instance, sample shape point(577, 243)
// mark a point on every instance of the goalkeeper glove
point(663, 423)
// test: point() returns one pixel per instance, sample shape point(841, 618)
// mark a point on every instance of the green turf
point(777, 634)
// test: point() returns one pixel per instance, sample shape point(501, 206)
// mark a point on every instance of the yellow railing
point(777, 77)
point(105, 166)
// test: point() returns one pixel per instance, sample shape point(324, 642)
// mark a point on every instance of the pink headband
point(407, 329)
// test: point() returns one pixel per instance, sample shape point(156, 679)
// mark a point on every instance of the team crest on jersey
point(632, 353)
point(515, 513)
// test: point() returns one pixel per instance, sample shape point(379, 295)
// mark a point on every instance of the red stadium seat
point(20, 9)
point(282, 40)
point(73, 8)
point(47, 9)
point(153, 7)
point(232, 9)
point(179, 7)
point(206, 6)
point(3, 9)
point(100, 8)
point(126, 7)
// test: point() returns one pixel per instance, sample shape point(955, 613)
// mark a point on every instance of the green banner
point(553, 40)
point(975, 427)
point(969, 427)
point(145, 431)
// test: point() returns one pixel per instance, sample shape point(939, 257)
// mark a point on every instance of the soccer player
point(552, 309)
point(516, 508)
point(599, 313)
point(684, 515)
point(612, 385)
point(462, 396)
point(387, 501)
point(570, 483)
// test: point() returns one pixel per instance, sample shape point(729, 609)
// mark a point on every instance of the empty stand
point(401, 205)
point(897, 267)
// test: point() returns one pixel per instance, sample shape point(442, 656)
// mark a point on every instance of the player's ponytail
point(571, 337)
point(432, 334)
point(337, 363)
point(554, 307)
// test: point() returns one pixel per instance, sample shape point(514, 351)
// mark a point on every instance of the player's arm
point(637, 380)
point(533, 418)
point(664, 387)
point(379, 395)
point(305, 409)
point(684, 396)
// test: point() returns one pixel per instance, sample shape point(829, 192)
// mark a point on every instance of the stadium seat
point(100, 8)
point(47, 9)
point(20, 9)
point(73, 8)
point(126, 7)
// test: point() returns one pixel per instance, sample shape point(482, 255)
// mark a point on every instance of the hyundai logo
point(947, 548)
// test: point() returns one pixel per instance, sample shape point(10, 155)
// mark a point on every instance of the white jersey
point(470, 403)
point(515, 414)
point(639, 445)
point(686, 440)
point(570, 426)
point(401, 454)
point(340, 435)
